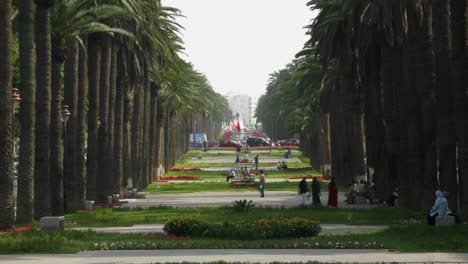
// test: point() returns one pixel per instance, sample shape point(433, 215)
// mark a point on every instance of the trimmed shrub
point(184, 226)
point(258, 229)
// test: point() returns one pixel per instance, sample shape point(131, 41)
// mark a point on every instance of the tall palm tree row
point(396, 67)
point(116, 62)
point(6, 111)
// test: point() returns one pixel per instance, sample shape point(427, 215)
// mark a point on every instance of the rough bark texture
point(94, 59)
point(56, 147)
point(6, 129)
point(43, 97)
point(70, 146)
point(25, 198)
point(444, 92)
point(118, 131)
point(82, 113)
point(104, 178)
point(460, 84)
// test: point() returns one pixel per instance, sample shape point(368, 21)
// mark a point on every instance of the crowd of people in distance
point(360, 188)
point(316, 192)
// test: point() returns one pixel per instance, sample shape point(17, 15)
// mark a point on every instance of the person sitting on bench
point(231, 175)
point(285, 165)
point(440, 208)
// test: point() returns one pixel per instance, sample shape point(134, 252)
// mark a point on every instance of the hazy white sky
point(238, 43)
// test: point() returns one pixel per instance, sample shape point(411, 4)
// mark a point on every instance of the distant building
point(242, 104)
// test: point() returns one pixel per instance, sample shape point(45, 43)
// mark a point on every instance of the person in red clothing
point(332, 194)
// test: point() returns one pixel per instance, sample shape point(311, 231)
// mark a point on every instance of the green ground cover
point(159, 215)
point(223, 186)
point(221, 175)
point(231, 164)
point(410, 238)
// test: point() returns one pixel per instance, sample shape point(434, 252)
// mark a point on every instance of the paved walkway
point(276, 199)
point(237, 255)
point(223, 159)
point(158, 228)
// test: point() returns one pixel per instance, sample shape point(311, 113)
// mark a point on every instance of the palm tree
point(78, 192)
point(104, 181)
point(70, 144)
point(25, 197)
point(43, 109)
point(94, 59)
point(459, 37)
point(6, 130)
point(445, 92)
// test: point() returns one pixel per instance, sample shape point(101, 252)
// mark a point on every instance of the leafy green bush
point(184, 226)
point(258, 229)
point(242, 205)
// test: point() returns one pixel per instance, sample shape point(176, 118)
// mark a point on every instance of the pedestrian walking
point(303, 191)
point(262, 184)
point(332, 194)
point(316, 192)
point(204, 145)
point(256, 162)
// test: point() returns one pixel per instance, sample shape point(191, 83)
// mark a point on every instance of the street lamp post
point(65, 117)
point(15, 99)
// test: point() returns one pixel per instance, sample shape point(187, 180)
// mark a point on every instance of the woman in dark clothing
point(303, 191)
point(332, 194)
point(316, 192)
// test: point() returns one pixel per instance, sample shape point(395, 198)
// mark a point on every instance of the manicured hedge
point(258, 229)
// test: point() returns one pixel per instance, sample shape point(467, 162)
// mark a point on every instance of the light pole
point(15, 100)
point(65, 117)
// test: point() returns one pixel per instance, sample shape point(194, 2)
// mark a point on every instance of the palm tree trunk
point(159, 139)
point(152, 134)
point(444, 91)
point(118, 129)
point(25, 198)
point(425, 80)
point(56, 147)
point(391, 81)
point(111, 118)
point(104, 180)
point(43, 97)
point(7, 217)
point(459, 11)
point(70, 153)
point(81, 114)
point(94, 70)
point(127, 147)
point(135, 136)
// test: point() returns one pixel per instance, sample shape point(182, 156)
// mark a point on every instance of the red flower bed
point(163, 236)
point(181, 177)
point(185, 169)
point(16, 229)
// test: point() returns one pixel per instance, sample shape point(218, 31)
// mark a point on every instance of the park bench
point(445, 220)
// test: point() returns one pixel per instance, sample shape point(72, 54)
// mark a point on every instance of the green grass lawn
point(159, 215)
point(399, 236)
point(197, 186)
point(209, 175)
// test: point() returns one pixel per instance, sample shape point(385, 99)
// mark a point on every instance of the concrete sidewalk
point(158, 228)
point(238, 255)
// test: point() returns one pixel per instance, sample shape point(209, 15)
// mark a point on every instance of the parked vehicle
point(227, 143)
point(289, 143)
point(196, 140)
point(257, 142)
